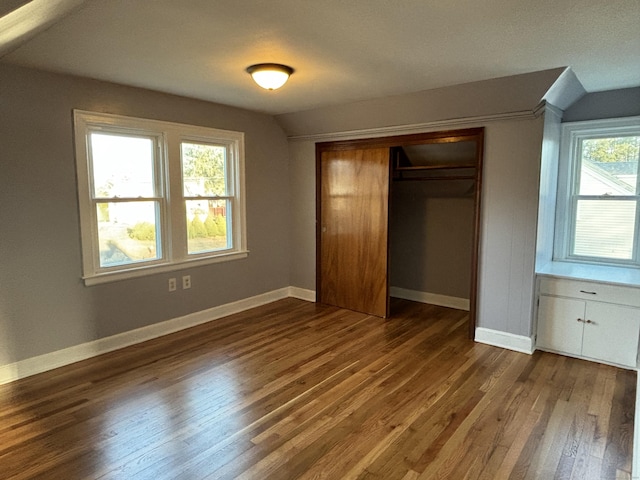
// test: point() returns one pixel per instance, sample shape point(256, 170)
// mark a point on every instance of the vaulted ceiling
point(342, 50)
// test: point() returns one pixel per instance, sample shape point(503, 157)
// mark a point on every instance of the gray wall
point(509, 218)
point(609, 104)
point(431, 237)
point(44, 306)
point(432, 224)
point(496, 97)
point(509, 208)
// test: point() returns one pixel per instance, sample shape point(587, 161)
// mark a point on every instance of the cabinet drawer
point(590, 291)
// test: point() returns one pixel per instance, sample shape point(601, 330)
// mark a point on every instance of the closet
point(384, 203)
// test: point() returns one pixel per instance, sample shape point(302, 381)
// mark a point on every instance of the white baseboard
point(432, 298)
point(302, 294)
point(518, 343)
point(66, 356)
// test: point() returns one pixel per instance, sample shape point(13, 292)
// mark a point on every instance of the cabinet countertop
point(629, 277)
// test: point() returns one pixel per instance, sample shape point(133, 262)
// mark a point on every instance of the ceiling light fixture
point(270, 76)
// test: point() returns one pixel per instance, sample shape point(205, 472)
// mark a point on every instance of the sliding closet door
point(353, 233)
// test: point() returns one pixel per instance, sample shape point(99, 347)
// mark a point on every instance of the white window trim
point(572, 134)
point(168, 137)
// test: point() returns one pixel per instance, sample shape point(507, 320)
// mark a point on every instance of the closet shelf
point(433, 167)
point(409, 172)
point(445, 177)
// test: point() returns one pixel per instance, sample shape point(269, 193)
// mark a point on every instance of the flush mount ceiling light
point(270, 75)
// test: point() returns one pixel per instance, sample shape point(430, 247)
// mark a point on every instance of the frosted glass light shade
point(270, 76)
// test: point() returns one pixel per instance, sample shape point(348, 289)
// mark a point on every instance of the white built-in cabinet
point(590, 320)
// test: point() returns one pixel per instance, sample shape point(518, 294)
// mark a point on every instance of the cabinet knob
point(591, 322)
point(580, 320)
point(588, 293)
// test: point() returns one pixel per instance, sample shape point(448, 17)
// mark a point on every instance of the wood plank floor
point(298, 390)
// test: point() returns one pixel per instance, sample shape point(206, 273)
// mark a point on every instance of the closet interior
point(400, 216)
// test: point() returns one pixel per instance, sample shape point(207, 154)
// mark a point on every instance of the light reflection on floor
point(204, 408)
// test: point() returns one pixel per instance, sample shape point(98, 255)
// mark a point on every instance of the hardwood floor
point(298, 390)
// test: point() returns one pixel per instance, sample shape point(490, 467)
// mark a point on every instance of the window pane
point(208, 226)
point(604, 228)
point(128, 232)
point(122, 166)
point(203, 170)
point(609, 166)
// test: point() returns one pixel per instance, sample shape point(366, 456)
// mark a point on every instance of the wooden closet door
point(354, 230)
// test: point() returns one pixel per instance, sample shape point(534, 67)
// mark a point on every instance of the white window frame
point(167, 137)
point(573, 133)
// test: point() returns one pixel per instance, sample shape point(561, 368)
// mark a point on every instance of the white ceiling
point(342, 50)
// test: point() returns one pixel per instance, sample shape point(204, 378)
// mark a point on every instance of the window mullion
point(636, 238)
point(636, 233)
point(213, 197)
point(175, 196)
point(126, 199)
point(160, 190)
point(606, 197)
point(573, 189)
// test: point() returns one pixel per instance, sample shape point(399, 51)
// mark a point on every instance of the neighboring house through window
point(598, 215)
point(157, 196)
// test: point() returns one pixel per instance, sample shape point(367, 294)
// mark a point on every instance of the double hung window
point(155, 196)
point(598, 217)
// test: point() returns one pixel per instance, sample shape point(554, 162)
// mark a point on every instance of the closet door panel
point(354, 229)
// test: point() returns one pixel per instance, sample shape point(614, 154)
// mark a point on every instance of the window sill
point(155, 269)
point(626, 276)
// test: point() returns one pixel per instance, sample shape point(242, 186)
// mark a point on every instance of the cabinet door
point(354, 229)
point(560, 324)
point(611, 333)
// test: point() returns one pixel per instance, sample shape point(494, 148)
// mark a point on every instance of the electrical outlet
point(186, 282)
point(172, 285)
